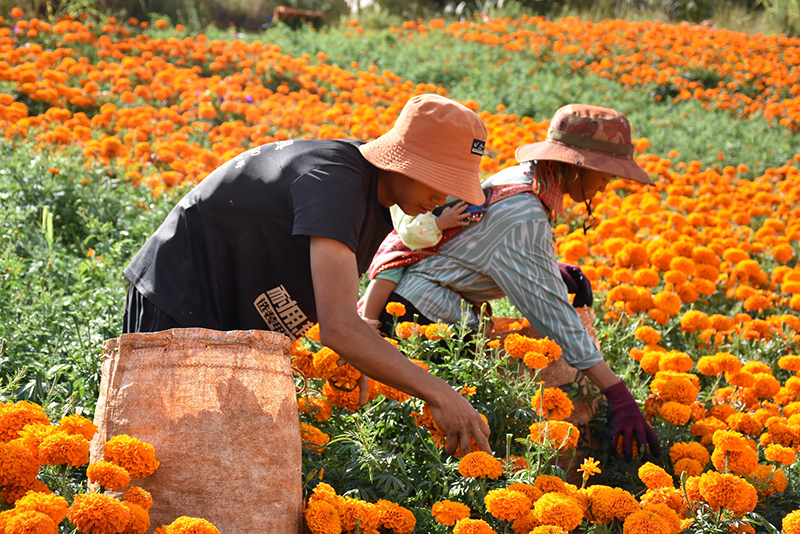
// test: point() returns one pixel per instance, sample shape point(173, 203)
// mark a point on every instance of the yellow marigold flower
point(506, 504)
point(448, 513)
point(654, 476)
point(313, 438)
point(552, 403)
point(191, 525)
point(645, 521)
point(139, 519)
point(589, 467)
point(14, 417)
point(473, 526)
point(53, 506)
point(140, 496)
point(790, 362)
point(691, 467)
point(648, 334)
point(607, 503)
point(136, 456)
point(396, 309)
point(108, 475)
point(18, 468)
point(480, 464)
point(322, 518)
point(791, 523)
point(396, 518)
point(30, 522)
point(364, 514)
point(96, 513)
point(561, 434)
point(77, 424)
point(558, 509)
point(676, 413)
point(62, 448)
point(692, 450)
point(694, 321)
point(724, 490)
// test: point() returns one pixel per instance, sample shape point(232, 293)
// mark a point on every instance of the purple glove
point(577, 283)
point(626, 420)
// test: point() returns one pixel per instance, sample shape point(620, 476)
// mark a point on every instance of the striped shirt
point(509, 253)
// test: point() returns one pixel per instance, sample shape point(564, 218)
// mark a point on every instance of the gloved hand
point(577, 283)
point(626, 420)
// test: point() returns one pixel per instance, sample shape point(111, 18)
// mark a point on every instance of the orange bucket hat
point(435, 141)
point(588, 136)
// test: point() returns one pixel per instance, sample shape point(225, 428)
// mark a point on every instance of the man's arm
point(335, 276)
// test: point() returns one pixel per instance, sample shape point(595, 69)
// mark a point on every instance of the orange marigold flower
point(480, 464)
point(140, 496)
point(473, 526)
point(558, 509)
point(791, 523)
point(77, 424)
point(790, 362)
point(30, 521)
point(364, 514)
point(589, 467)
point(14, 417)
point(675, 360)
point(108, 475)
point(507, 504)
point(769, 480)
point(552, 403)
point(407, 329)
point(62, 448)
point(136, 456)
point(313, 438)
point(517, 345)
point(780, 454)
point(689, 466)
point(396, 518)
point(675, 388)
point(648, 334)
point(676, 413)
point(739, 462)
point(18, 468)
point(546, 529)
point(531, 492)
point(608, 503)
point(694, 321)
point(692, 450)
point(53, 506)
point(560, 434)
point(96, 513)
point(448, 513)
point(316, 406)
point(724, 490)
point(322, 518)
point(654, 476)
point(191, 525)
point(646, 521)
point(549, 484)
point(139, 519)
point(313, 333)
point(396, 309)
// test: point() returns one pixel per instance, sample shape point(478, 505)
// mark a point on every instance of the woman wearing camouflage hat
point(510, 251)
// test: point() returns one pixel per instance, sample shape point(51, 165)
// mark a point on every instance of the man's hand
point(626, 420)
point(577, 283)
point(335, 276)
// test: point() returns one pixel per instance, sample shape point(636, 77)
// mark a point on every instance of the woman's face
point(581, 183)
point(413, 197)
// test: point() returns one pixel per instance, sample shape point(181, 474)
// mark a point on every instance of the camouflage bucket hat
point(588, 136)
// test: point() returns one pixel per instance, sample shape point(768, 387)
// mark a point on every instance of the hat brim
point(386, 153)
point(554, 151)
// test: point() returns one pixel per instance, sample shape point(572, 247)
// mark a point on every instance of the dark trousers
point(141, 315)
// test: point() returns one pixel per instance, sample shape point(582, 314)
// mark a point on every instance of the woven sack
point(557, 374)
point(221, 412)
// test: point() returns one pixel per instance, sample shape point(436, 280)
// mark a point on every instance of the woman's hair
point(548, 171)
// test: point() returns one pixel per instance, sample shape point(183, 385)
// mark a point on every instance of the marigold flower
point(546, 529)
point(558, 509)
point(139, 519)
point(96, 513)
point(689, 466)
point(108, 475)
point(191, 525)
point(645, 521)
point(317, 406)
point(396, 518)
point(313, 438)
point(18, 468)
point(517, 345)
point(77, 424)
point(30, 522)
point(589, 467)
point(676, 413)
point(136, 456)
point(739, 462)
point(473, 526)
point(53, 506)
point(560, 434)
point(531, 492)
point(791, 522)
point(694, 321)
point(140, 496)
point(15, 417)
point(654, 476)
point(790, 362)
point(448, 512)
point(313, 333)
point(675, 389)
point(396, 309)
point(354, 512)
point(607, 503)
point(692, 450)
point(648, 335)
point(769, 480)
point(780, 454)
point(552, 403)
point(480, 464)
point(675, 360)
point(322, 518)
point(724, 490)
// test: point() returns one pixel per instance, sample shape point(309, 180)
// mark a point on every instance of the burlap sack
point(220, 410)
point(560, 373)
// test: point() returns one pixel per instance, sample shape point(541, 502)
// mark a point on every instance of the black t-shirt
point(234, 253)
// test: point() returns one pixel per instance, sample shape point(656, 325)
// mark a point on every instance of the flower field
point(697, 283)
